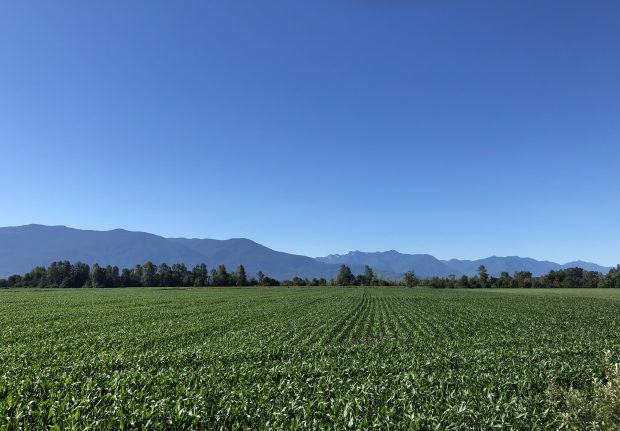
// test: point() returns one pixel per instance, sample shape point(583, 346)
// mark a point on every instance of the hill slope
point(24, 247)
point(255, 257)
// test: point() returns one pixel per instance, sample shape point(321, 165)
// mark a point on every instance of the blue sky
point(460, 129)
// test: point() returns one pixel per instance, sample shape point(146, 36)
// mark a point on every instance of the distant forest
point(65, 274)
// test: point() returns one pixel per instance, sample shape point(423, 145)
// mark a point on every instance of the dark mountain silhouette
point(24, 247)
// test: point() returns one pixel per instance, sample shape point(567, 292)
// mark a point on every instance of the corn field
point(307, 358)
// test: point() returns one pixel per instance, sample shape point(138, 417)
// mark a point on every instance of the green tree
point(14, 280)
point(410, 279)
point(81, 274)
point(613, 277)
point(484, 276)
point(112, 277)
point(261, 277)
point(504, 280)
point(66, 278)
point(149, 274)
point(36, 278)
point(97, 276)
point(221, 277)
point(136, 275)
point(345, 277)
point(369, 276)
point(55, 274)
point(200, 275)
point(241, 278)
point(523, 279)
point(165, 274)
point(298, 281)
point(180, 274)
point(126, 278)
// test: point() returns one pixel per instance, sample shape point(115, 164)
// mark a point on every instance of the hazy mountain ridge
point(425, 265)
point(24, 247)
point(392, 262)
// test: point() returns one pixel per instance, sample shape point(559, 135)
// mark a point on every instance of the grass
point(309, 358)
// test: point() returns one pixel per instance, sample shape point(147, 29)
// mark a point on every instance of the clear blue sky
point(460, 129)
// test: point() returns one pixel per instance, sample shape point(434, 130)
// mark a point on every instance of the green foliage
point(307, 358)
point(410, 279)
point(597, 406)
point(483, 275)
point(65, 274)
point(149, 274)
point(612, 279)
point(368, 278)
point(345, 277)
point(241, 278)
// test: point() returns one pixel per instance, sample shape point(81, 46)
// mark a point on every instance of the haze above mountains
point(24, 247)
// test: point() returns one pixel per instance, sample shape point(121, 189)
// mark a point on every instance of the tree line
point(68, 275)
point(563, 278)
point(65, 274)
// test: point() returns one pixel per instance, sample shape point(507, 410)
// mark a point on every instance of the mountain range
point(425, 265)
point(24, 247)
